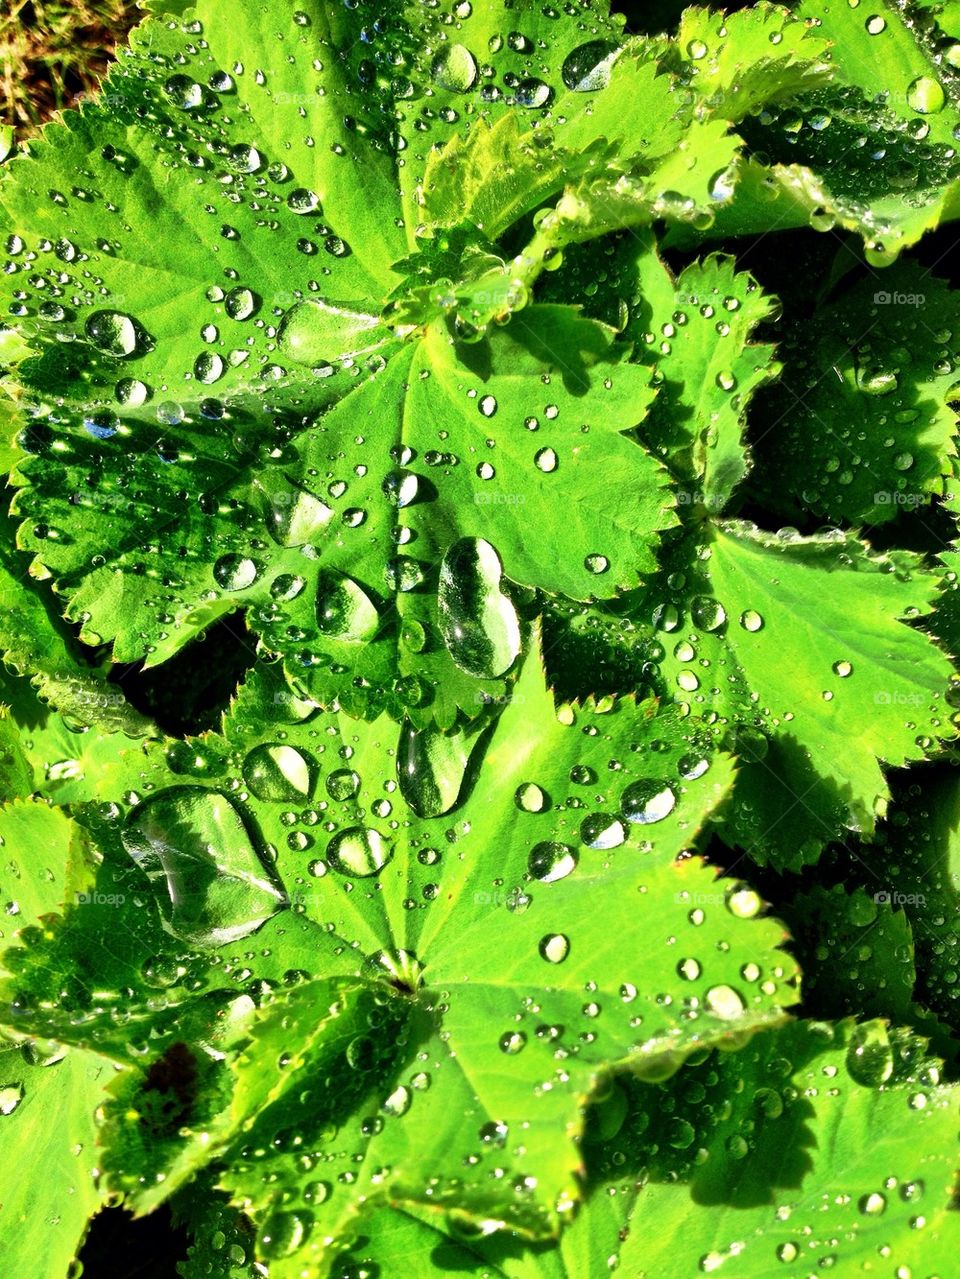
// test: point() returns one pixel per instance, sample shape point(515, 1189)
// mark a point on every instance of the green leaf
point(813, 167)
point(800, 648)
point(815, 1140)
point(917, 862)
point(707, 370)
point(475, 919)
point(47, 1191)
point(861, 427)
point(222, 444)
point(739, 62)
point(33, 641)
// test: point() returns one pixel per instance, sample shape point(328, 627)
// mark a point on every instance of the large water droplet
point(647, 801)
point(926, 95)
point(870, 1055)
point(319, 331)
point(359, 851)
point(235, 572)
point(430, 768)
point(587, 69)
point(455, 68)
point(112, 332)
point(550, 861)
point(278, 773)
point(192, 843)
point(344, 610)
point(478, 622)
point(281, 1235)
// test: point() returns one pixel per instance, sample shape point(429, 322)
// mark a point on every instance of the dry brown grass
point(52, 52)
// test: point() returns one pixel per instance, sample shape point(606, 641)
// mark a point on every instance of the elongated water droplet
point(478, 622)
point(431, 766)
point(193, 845)
point(319, 331)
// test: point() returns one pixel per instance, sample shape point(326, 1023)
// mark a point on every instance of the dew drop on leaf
point(275, 772)
point(235, 572)
point(193, 845)
point(554, 948)
point(112, 332)
point(11, 1096)
point(587, 68)
point(530, 798)
point(359, 851)
point(344, 610)
point(647, 801)
point(455, 68)
point(549, 861)
point(478, 622)
point(343, 784)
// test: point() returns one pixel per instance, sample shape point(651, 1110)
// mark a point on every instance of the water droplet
point(343, 784)
point(873, 1205)
point(588, 68)
point(554, 948)
point(602, 830)
point(112, 332)
point(193, 845)
point(478, 622)
point(303, 202)
point(751, 620)
point(706, 613)
point(241, 303)
point(550, 861)
point(208, 367)
point(843, 669)
point(532, 93)
point(11, 1096)
point(530, 798)
point(319, 331)
point(281, 1234)
point(235, 572)
point(131, 393)
point(512, 1042)
point(344, 610)
point(926, 95)
point(596, 564)
point(276, 772)
point(546, 460)
point(430, 768)
point(455, 68)
point(696, 50)
point(359, 852)
point(647, 801)
point(869, 1055)
point(724, 1002)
